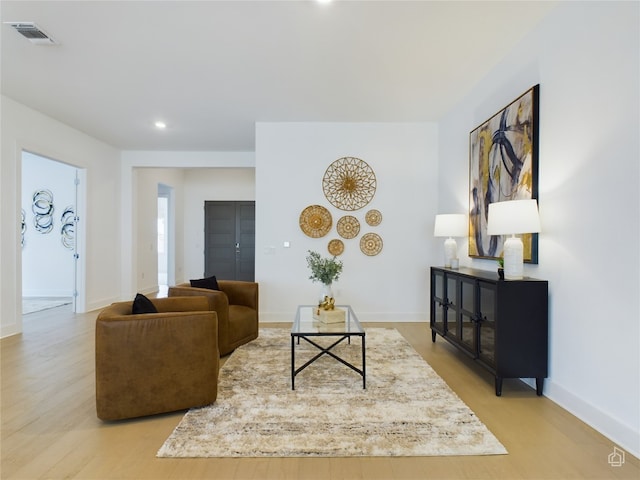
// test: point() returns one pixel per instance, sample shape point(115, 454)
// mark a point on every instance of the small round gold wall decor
point(373, 217)
point(315, 221)
point(349, 183)
point(371, 244)
point(335, 247)
point(348, 226)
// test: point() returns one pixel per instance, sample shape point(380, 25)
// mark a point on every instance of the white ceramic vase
point(325, 291)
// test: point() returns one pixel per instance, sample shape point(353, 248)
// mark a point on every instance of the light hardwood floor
point(50, 429)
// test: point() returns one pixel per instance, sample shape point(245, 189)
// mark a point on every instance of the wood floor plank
point(50, 430)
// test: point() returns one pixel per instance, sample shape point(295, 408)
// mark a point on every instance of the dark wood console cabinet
point(502, 324)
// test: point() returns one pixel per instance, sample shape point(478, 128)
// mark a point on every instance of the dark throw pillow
point(142, 304)
point(210, 282)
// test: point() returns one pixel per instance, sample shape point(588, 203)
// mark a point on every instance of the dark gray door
point(229, 240)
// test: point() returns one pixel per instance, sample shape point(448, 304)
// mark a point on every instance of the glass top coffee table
point(306, 327)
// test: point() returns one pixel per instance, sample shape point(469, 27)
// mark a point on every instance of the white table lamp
point(513, 217)
point(450, 225)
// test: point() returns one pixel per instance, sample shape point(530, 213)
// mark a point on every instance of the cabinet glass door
point(439, 301)
point(487, 311)
point(453, 329)
point(467, 313)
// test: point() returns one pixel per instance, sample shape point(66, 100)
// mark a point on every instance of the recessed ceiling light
point(160, 125)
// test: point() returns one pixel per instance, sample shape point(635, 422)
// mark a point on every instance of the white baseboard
point(9, 330)
point(100, 304)
point(620, 434)
point(148, 290)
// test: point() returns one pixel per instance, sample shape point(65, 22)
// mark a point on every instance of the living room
point(584, 56)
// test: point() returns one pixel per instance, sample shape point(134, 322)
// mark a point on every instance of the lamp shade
point(450, 225)
point(513, 216)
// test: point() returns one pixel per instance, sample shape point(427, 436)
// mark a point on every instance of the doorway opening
point(50, 238)
point(165, 232)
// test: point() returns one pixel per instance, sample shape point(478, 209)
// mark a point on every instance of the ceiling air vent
point(33, 33)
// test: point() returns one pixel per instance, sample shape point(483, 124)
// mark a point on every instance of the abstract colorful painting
point(503, 165)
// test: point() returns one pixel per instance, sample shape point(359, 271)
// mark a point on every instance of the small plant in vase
point(501, 267)
point(325, 271)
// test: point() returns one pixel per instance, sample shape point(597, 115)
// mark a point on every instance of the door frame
point(166, 191)
point(79, 287)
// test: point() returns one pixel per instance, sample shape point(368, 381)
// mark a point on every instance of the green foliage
point(324, 270)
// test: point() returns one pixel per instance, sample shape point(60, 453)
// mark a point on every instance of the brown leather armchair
point(156, 362)
point(236, 304)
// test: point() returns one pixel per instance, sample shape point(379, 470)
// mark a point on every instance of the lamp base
point(450, 251)
point(513, 259)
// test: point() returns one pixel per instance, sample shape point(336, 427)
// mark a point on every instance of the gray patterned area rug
point(406, 409)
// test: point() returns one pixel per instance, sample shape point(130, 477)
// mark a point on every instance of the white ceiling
point(211, 69)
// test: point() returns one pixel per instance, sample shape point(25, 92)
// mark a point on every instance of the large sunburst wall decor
point(349, 183)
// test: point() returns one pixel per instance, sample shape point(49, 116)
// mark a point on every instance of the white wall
point(47, 265)
point(585, 56)
point(291, 159)
point(209, 184)
point(26, 129)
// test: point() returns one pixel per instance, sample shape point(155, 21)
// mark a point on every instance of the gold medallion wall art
point(315, 221)
point(349, 183)
point(335, 247)
point(348, 226)
point(371, 244)
point(373, 218)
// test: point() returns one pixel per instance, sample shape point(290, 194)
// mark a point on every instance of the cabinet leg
point(539, 385)
point(498, 386)
point(433, 336)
